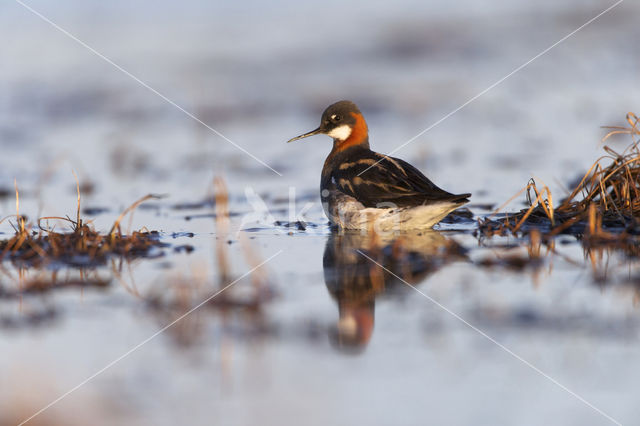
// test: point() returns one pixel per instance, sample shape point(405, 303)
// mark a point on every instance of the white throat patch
point(341, 132)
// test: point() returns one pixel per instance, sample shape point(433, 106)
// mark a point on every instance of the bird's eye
point(336, 117)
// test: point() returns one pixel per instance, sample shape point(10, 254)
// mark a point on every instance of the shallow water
point(319, 334)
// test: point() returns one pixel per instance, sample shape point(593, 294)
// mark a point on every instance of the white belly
point(348, 213)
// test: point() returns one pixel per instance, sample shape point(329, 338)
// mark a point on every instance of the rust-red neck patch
point(359, 134)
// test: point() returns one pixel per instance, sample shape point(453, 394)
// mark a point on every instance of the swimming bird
point(361, 188)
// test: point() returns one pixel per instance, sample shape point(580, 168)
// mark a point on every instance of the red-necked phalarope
point(361, 188)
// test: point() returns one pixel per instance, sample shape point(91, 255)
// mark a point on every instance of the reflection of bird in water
point(355, 281)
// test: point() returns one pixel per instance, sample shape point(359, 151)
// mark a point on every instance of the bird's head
point(344, 122)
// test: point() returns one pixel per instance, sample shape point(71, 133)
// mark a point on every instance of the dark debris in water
point(298, 225)
point(95, 211)
point(255, 229)
point(185, 248)
point(182, 234)
point(459, 216)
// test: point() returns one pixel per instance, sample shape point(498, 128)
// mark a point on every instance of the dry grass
point(602, 208)
point(181, 293)
point(32, 244)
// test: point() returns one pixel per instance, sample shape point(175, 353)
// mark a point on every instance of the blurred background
point(260, 73)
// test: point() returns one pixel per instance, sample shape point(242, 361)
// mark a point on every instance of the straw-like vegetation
point(181, 294)
point(33, 244)
point(603, 208)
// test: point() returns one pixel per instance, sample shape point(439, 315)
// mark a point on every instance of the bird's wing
point(374, 179)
